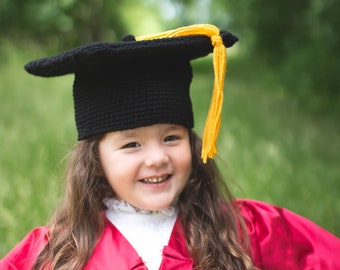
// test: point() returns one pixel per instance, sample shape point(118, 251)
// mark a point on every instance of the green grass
point(36, 132)
point(272, 148)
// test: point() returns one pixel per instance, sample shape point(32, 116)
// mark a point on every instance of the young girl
point(142, 191)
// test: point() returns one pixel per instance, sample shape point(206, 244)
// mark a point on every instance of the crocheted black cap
point(130, 84)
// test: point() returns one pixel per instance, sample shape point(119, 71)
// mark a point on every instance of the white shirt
point(147, 231)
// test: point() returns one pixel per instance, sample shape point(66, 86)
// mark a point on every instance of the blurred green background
point(280, 137)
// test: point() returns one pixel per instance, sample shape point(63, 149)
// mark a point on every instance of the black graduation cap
point(141, 81)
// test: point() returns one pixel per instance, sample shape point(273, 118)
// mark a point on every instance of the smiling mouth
point(155, 180)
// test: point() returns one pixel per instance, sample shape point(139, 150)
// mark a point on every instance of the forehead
point(128, 133)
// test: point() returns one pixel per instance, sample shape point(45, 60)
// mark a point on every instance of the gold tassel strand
point(213, 121)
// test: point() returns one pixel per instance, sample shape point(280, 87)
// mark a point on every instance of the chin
point(157, 206)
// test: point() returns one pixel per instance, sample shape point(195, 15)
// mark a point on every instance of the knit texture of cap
point(130, 84)
point(93, 55)
point(133, 95)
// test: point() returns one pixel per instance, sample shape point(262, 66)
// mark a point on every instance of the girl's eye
point(171, 138)
point(131, 145)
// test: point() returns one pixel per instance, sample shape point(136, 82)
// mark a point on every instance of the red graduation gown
point(279, 238)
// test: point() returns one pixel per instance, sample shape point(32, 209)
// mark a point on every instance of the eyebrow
point(173, 127)
point(125, 134)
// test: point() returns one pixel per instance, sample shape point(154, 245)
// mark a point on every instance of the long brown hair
point(77, 225)
point(210, 221)
point(214, 229)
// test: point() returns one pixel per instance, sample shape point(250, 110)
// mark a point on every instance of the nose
point(156, 157)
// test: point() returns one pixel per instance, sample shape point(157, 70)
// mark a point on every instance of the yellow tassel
point(213, 121)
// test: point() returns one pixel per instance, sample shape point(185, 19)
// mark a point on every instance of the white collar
point(123, 206)
point(147, 231)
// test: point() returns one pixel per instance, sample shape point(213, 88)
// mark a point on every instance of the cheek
point(115, 170)
point(118, 180)
point(120, 170)
point(110, 168)
point(184, 160)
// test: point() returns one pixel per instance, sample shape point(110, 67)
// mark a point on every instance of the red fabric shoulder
point(23, 256)
point(281, 239)
point(113, 251)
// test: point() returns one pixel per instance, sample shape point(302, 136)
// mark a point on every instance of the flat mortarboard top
point(142, 81)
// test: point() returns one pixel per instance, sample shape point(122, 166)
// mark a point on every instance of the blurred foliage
point(64, 22)
point(298, 39)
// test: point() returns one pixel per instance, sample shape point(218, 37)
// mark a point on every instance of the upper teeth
point(155, 179)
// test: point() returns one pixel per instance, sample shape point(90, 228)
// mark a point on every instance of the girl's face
point(147, 167)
